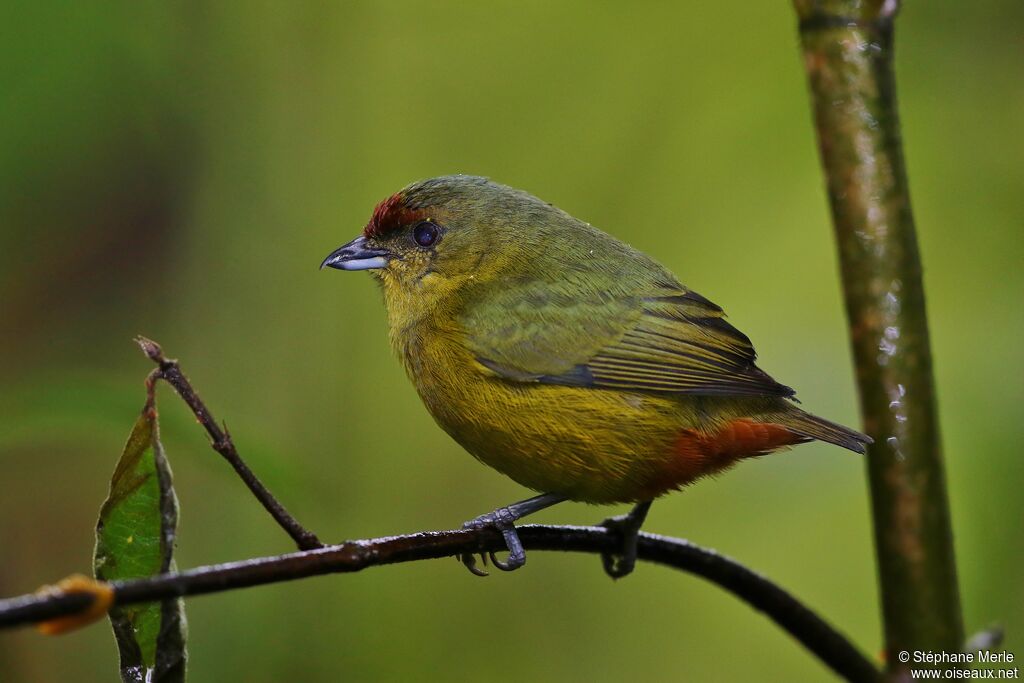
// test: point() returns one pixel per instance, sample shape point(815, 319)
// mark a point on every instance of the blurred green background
point(180, 170)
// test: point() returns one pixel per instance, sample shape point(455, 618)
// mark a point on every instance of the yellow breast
point(591, 445)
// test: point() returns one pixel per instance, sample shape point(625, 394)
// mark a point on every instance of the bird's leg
point(503, 520)
point(627, 528)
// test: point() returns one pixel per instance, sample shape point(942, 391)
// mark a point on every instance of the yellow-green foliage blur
point(180, 171)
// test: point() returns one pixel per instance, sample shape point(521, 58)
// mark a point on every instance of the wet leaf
point(135, 538)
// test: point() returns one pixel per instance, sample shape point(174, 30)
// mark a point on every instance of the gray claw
point(470, 563)
point(509, 565)
point(503, 520)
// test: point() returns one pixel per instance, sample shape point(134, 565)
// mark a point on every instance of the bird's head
point(438, 236)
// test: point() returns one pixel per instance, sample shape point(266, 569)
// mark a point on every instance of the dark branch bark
point(808, 628)
point(169, 371)
point(848, 55)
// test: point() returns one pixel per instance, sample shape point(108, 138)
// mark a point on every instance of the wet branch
point(830, 646)
point(848, 55)
point(169, 371)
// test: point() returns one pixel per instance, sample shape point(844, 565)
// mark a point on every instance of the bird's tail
point(814, 427)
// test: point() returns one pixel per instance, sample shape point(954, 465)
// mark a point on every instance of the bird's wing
point(672, 342)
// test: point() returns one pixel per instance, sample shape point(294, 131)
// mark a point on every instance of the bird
point(565, 359)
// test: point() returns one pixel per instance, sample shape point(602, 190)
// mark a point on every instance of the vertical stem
point(848, 54)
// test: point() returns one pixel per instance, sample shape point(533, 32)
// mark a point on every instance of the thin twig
point(169, 371)
point(830, 646)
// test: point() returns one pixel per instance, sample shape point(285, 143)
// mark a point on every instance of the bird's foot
point(502, 519)
point(627, 530)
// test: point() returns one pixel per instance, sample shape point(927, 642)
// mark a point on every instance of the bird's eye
point(426, 233)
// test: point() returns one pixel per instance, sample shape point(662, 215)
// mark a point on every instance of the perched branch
point(807, 627)
point(848, 55)
point(59, 605)
point(168, 370)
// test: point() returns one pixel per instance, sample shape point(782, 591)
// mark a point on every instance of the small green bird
point(560, 356)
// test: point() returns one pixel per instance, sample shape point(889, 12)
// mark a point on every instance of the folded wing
point(673, 341)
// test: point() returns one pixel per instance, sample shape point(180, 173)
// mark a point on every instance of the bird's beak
point(356, 255)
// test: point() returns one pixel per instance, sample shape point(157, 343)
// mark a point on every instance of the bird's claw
point(627, 529)
point(617, 565)
point(507, 565)
point(503, 520)
point(469, 561)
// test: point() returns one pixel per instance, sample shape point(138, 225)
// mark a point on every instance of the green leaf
point(135, 538)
